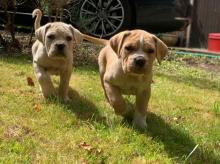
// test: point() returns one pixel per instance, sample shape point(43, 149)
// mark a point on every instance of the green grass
point(184, 111)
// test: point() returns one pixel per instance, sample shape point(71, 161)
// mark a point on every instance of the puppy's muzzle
point(139, 61)
point(59, 50)
point(60, 47)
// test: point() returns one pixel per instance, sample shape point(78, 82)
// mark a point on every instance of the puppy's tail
point(38, 14)
point(95, 40)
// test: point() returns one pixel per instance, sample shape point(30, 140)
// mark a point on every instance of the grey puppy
point(53, 54)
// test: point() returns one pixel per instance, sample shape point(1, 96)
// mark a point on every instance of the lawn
point(183, 118)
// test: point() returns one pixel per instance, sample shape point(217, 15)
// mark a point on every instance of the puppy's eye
point(150, 51)
point(68, 38)
point(51, 37)
point(130, 48)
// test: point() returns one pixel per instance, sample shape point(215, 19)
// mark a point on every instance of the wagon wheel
point(103, 18)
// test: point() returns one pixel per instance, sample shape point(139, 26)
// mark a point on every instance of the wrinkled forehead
point(59, 28)
point(141, 39)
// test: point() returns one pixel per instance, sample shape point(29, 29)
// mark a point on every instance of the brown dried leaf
point(178, 119)
point(98, 151)
point(37, 107)
point(86, 146)
point(30, 81)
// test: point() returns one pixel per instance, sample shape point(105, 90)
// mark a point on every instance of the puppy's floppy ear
point(117, 41)
point(41, 32)
point(161, 49)
point(78, 36)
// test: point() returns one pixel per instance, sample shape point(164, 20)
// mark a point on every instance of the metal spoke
point(100, 3)
point(111, 24)
point(87, 12)
point(109, 3)
point(103, 28)
point(117, 7)
point(92, 4)
point(118, 18)
point(89, 21)
point(96, 26)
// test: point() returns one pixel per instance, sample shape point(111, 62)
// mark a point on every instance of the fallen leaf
point(86, 146)
point(30, 81)
point(98, 151)
point(178, 119)
point(175, 118)
point(37, 107)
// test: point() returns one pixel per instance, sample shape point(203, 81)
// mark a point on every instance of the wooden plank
point(206, 16)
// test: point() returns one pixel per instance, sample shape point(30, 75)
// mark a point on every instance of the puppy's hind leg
point(102, 69)
point(44, 80)
point(102, 82)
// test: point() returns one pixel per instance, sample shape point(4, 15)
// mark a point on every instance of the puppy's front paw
point(139, 121)
point(129, 114)
point(48, 92)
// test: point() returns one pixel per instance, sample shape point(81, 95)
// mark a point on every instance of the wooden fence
point(205, 20)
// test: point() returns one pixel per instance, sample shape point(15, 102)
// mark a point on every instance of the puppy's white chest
point(53, 71)
point(130, 86)
point(129, 89)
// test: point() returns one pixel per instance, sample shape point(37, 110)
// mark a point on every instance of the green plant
point(216, 108)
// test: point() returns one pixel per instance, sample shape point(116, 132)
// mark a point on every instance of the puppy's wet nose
point(140, 61)
point(60, 46)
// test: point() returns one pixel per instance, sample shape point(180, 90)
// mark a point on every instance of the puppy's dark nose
point(60, 46)
point(140, 61)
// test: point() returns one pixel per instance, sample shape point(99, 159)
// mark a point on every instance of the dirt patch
point(17, 132)
point(210, 64)
point(207, 64)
